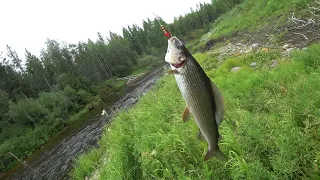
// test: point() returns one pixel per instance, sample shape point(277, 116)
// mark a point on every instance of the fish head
point(176, 52)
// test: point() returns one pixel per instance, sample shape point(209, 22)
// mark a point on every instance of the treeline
point(37, 98)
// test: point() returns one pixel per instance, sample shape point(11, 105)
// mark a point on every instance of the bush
point(28, 112)
point(310, 57)
point(76, 82)
point(24, 145)
point(148, 60)
point(122, 70)
point(36, 120)
point(4, 104)
point(79, 98)
point(4, 108)
point(57, 103)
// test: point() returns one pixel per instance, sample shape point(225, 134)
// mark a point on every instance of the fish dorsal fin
point(219, 103)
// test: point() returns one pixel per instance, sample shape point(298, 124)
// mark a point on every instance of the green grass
point(87, 165)
point(254, 15)
point(140, 70)
point(147, 62)
point(271, 128)
point(94, 103)
point(114, 83)
point(77, 115)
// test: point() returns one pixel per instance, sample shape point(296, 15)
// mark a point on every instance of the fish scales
point(194, 87)
point(202, 97)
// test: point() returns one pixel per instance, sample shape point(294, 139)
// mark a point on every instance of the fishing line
point(163, 28)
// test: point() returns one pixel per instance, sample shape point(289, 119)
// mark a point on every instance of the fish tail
point(217, 153)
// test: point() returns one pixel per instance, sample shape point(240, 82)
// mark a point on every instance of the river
point(55, 159)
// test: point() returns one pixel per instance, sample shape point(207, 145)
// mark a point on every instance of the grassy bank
point(259, 21)
point(271, 128)
point(258, 14)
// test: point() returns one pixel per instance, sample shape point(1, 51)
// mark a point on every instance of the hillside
point(263, 55)
point(46, 94)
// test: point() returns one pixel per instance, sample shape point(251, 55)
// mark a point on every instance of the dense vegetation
point(270, 131)
point(271, 127)
point(40, 97)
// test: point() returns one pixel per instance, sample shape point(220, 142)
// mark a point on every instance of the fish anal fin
point(200, 136)
point(186, 114)
point(219, 102)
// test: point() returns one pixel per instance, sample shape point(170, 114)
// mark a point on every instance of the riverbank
point(42, 119)
point(269, 129)
point(268, 74)
point(65, 112)
point(54, 161)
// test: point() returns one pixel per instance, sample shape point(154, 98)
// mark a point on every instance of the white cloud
point(28, 23)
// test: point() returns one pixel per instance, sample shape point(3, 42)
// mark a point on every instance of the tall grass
point(270, 131)
point(254, 15)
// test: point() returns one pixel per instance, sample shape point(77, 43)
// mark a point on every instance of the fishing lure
point(165, 31)
point(163, 28)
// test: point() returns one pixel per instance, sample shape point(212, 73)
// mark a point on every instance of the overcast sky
point(28, 23)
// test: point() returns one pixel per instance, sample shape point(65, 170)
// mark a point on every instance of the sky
point(28, 23)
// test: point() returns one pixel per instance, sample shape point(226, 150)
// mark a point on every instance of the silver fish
point(203, 98)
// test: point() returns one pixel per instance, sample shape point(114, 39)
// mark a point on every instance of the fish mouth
point(178, 65)
point(176, 42)
point(178, 50)
point(172, 38)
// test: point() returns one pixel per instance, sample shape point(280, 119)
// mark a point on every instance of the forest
point(39, 97)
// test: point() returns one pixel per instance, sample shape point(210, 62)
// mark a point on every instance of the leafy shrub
point(57, 103)
point(148, 60)
point(4, 108)
point(23, 145)
point(122, 70)
point(4, 104)
point(310, 57)
point(27, 111)
point(79, 98)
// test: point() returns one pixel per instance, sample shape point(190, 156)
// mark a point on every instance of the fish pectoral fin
point(219, 103)
point(186, 114)
point(200, 136)
point(217, 153)
point(171, 71)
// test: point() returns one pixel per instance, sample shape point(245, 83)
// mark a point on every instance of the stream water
point(54, 160)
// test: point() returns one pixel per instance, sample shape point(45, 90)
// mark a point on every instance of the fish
point(203, 98)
